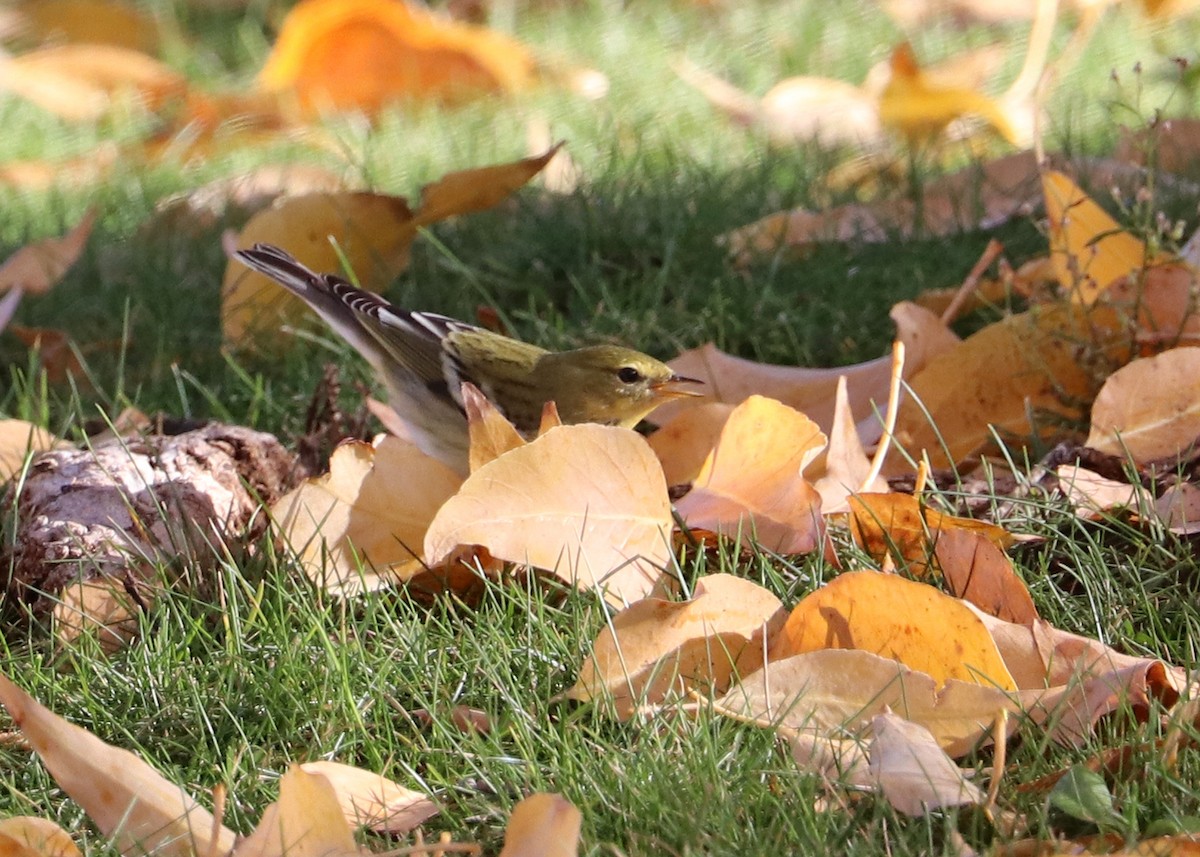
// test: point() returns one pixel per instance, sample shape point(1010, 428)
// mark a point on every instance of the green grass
point(231, 692)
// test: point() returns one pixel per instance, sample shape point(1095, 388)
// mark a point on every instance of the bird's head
point(609, 384)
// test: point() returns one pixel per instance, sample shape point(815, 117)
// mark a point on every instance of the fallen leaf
point(751, 486)
point(844, 468)
point(836, 692)
point(306, 821)
point(656, 648)
point(365, 54)
point(105, 22)
point(55, 353)
point(84, 82)
point(1089, 249)
point(1030, 364)
point(920, 108)
point(1091, 494)
point(491, 435)
point(17, 440)
point(913, 772)
point(902, 619)
point(975, 569)
point(1149, 409)
point(100, 606)
point(586, 502)
point(683, 442)
point(543, 825)
point(38, 267)
point(372, 801)
point(123, 796)
point(1179, 509)
point(42, 836)
point(362, 525)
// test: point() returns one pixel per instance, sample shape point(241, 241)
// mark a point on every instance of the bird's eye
point(629, 375)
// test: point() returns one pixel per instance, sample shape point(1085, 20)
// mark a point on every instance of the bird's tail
point(335, 300)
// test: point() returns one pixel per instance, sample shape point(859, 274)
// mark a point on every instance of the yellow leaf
point(920, 109)
point(363, 54)
point(1090, 251)
point(587, 502)
point(306, 821)
point(897, 618)
point(17, 440)
point(371, 801)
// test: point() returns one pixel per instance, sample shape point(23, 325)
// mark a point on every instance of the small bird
point(424, 359)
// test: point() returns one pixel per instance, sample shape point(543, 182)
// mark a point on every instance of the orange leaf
point(38, 267)
point(897, 618)
point(41, 836)
point(543, 825)
point(1089, 249)
point(1150, 408)
point(751, 485)
point(491, 435)
point(362, 54)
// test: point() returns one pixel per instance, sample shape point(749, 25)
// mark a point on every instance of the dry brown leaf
point(362, 525)
point(42, 836)
point(1150, 408)
point(1089, 249)
point(372, 801)
point(56, 354)
point(897, 618)
point(751, 486)
point(1173, 143)
point(85, 82)
point(105, 22)
point(836, 692)
point(913, 772)
point(38, 267)
point(977, 570)
point(123, 796)
point(656, 648)
point(373, 231)
point(17, 440)
point(1000, 376)
point(365, 54)
point(306, 821)
point(543, 825)
point(844, 468)
point(586, 502)
point(1179, 509)
point(491, 435)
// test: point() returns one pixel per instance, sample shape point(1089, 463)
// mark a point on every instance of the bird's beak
point(673, 388)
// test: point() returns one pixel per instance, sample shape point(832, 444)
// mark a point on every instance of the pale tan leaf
point(101, 607)
point(306, 821)
point(17, 440)
point(372, 801)
point(1091, 494)
point(845, 465)
point(543, 825)
point(586, 502)
point(1179, 508)
point(751, 486)
point(126, 798)
point(38, 267)
point(913, 772)
point(362, 525)
point(655, 648)
point(1150, 408)
point(684, 442)
point(836, 692)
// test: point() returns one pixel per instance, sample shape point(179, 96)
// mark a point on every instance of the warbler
point(424, 358)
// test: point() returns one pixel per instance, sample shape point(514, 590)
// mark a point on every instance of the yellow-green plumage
point(424, 359)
